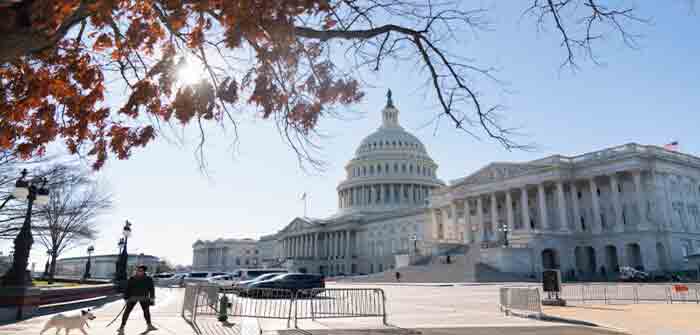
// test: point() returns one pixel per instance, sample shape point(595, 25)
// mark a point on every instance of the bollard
point(223, 308)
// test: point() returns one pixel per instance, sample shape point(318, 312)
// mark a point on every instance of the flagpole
point(304, 206)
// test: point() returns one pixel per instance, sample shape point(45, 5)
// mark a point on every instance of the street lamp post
point(504, 229)
point(88, 265)
point(123, 255)
point(34, 190)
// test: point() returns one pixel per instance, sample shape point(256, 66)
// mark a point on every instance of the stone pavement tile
point(641, 319)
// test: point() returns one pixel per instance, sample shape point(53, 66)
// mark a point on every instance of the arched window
point(364, 170)
point(403, 168)
point(371, 170)
point(386, 168)
point(410, 168)
point(396, 167)
point(379, 169)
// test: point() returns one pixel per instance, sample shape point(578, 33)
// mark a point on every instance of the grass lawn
point(43, 283)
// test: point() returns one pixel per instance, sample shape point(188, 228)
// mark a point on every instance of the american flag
point(673, 146)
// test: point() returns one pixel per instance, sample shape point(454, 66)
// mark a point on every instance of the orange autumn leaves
point(59, 93)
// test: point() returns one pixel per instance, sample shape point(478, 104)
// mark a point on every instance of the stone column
point(639, 193)
point(348, 255)
point(316, 248)
point(467, 222)
point(335, 244)
point(596, 226)
point(494, 216)
point(510, 218)
point(329, 236)
point(617, 206)
point(480, 219)
point(435, 224)
point(576, 206)
point(306, 245)
point(525, 208)
point(455, 222)
point(542, 202)
point(300, 239)
point(561, 202)
point(287, 248)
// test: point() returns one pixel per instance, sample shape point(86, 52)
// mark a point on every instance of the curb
point(421, 284)
point(550, 318)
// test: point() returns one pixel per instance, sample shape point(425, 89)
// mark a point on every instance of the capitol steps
point(461, 268)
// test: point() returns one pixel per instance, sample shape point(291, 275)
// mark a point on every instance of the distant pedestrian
point(139, 289)
point(398, 276)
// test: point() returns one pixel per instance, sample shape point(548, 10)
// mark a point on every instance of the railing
point(283, 304)
point(340, 303)
point(520, 300)
point(634, 293)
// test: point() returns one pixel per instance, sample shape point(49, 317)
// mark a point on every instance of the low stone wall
point(66, 294)
point(17, 303)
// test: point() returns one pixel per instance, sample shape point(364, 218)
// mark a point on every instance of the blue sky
point(649, 96)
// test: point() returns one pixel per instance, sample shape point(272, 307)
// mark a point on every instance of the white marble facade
point(630, 205)
point(225, 254)
point(382, 212)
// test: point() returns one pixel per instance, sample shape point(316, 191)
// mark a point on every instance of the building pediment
point(495, 172)
point(297, 225)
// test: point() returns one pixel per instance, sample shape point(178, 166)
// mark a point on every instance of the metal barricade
point(283, 304)
point(262, 303)
point(631, 293)
point(340, 303)
point(683, 293)
point(521, 300)
point(189, 302)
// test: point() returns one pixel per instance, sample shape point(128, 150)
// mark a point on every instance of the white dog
point(59, 321)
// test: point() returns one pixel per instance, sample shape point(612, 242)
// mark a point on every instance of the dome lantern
point(390, 115)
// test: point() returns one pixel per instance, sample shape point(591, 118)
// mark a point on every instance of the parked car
point(267, 276)
point(248, 274)
point(227, 280)
point(169, 279)
point(288, 281)
point(201, 276)
point(633, 275)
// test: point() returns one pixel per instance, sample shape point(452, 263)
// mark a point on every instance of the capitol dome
point(391, 169)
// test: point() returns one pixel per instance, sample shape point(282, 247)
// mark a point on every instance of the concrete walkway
point(638, 319)
point(428, 310)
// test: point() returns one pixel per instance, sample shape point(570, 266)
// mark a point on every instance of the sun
point(191, 72)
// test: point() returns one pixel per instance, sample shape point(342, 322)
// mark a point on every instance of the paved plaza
point(426, 309)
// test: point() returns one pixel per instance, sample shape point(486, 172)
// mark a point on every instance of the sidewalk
point(165, 316)
point(638, 319)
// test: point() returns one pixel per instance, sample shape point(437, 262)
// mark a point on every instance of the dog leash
point(116, 317)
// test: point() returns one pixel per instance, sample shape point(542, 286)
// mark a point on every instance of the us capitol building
point(587, 215)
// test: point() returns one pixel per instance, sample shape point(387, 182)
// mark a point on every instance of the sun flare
point(190, 73)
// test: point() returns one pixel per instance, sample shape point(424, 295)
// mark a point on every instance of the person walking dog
point(139, 289)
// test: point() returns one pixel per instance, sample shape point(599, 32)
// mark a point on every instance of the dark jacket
point(140, 288)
